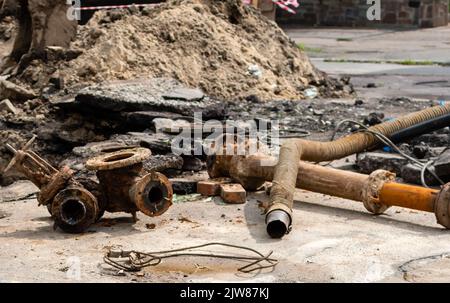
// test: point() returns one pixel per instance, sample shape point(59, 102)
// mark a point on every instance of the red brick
point(211, 187)
point(233, 193)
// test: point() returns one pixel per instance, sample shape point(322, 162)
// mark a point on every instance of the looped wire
point(132, 261)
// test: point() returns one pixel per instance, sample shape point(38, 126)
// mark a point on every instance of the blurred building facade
point(414, 13)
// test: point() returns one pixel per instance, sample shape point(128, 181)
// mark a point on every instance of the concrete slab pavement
point(332, 240)
point(343, 51)
point(431, 44)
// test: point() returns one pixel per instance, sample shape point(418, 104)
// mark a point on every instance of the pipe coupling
point(372, 188)
point(442, 207)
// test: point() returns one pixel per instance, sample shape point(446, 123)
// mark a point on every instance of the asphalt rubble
point(151, 113)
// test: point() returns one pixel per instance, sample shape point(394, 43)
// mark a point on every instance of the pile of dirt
point(7, 29)
point(227, 49)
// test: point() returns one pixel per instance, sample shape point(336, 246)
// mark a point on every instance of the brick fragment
point(233, 193)
point(211, 187)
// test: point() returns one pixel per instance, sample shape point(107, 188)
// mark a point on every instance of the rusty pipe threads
point(287, 169)
point(377, 191)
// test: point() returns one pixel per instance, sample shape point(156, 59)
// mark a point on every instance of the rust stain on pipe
point(330, 181)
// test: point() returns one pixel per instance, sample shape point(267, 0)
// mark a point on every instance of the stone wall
point(414, 13)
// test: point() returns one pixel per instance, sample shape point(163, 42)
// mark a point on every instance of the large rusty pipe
point(286, 171)
point(377, 191)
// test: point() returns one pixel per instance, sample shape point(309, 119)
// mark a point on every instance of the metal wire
point(384, 139)
point(422, 172)
point(136, 260)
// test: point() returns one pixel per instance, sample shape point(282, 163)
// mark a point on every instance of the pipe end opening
point(278, 224)
point(156, 195)
point(73, 211)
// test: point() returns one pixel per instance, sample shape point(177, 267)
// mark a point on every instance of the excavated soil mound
point(7, 32)
point(221, 46)
point(7, 29)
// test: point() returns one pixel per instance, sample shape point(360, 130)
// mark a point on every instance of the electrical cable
point(384, 139)
point(136, 260)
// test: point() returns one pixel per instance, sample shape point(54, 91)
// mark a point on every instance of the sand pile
point(7, 28)
point(7, 32)
point(228, 50)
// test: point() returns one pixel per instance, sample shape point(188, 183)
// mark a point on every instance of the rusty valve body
point(127, 186)
point(76, 203)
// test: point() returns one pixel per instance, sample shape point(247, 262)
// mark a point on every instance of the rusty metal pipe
point(377, 191)
point(286, 171)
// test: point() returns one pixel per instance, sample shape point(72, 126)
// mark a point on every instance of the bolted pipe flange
point(152, 194)
point(118, 159)
point(372, 190)
point(74, 209)
point(442, 207)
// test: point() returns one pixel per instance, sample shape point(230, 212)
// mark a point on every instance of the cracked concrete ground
point(333, 240)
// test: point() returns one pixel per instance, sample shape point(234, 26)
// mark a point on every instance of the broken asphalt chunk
point(370, 162)
point(95, 148)
point(411, 174)
point(442, 164)
point(159, 143)
point(186, 94)
point(146, 95)
point(144, 119)
point(161, 163)
point(183, 186)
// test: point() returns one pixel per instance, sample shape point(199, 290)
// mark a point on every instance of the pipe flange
point(442, 207)
point(74, 209)
point(153, 194)
point(118, 159)
point(372, 190)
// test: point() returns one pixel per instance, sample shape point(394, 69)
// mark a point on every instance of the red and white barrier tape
point(92, 8)
point(284, 7)
point(280, 4)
